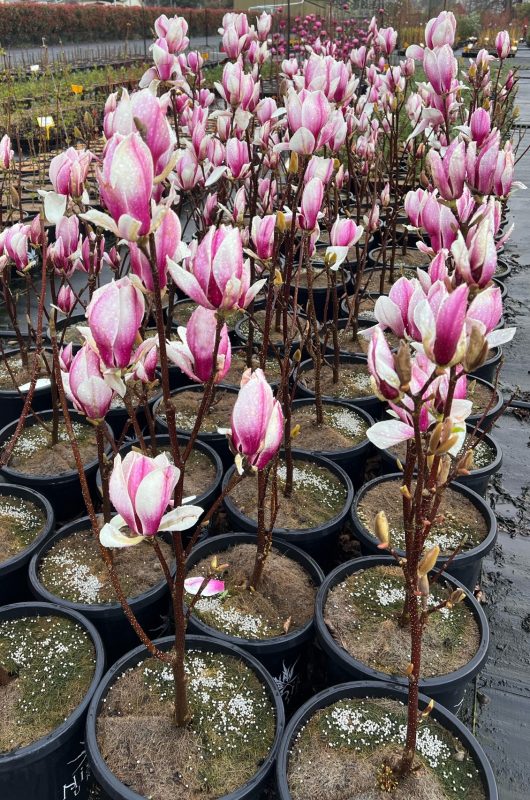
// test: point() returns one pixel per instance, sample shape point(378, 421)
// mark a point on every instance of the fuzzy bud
point(382, 530)
point(403, 366)
point(428, 561)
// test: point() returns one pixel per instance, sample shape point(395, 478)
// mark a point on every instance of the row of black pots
point(55, 762)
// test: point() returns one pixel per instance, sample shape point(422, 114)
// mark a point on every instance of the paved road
point(94, 51)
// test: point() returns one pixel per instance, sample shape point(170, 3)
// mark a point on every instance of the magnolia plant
point(350, 143)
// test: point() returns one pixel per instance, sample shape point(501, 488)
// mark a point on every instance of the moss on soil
point(52, 662)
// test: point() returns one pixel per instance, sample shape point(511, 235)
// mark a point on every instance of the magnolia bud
point(293, 163)
point(428, 561)
point(428, 709)
point(457, 596)
point(295, 431)
point(281, 222)
point(410, 669)
point(297, 356)
point(403, 366)
point(444, 468)
point(278, 279)
point(434, 440)
point(382, 530)
point(477, 350)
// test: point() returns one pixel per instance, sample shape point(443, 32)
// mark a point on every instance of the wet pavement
point(501, 714)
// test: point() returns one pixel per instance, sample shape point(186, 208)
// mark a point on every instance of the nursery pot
point(486, 420)
point(203, 500)
point(150, 607)
point(369, 403)
point(242, 350)
point(110, 784)
point(68, 322)
point(478, 479)
point(466, 565)
point(488, 369)
point(13, 572)
point(365, 689)
point(55, 765)
point(64, 490)
point(285, 657)
point(321, 293)
point(375, 257)
point(351, 459)
point(217, 441)
point(445, 689)
point(315, 541)
point(364, 316)
point(12, 401)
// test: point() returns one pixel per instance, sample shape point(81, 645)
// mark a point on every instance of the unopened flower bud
point(434, 440)
point(382, 530)
point(457, 596)
point(428, 561)
point(403, 366)
point(444, 468)
point(295, 431)
point(293, 163)
point(477, 350)
point(427, 710)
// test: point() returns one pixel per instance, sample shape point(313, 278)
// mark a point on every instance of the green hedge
point(23, 24)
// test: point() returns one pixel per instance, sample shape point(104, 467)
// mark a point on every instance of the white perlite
point(232, 620)
point(78, 577)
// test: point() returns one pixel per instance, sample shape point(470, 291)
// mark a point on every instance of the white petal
point(111, 536)
point(181, 518)
point(389, 433)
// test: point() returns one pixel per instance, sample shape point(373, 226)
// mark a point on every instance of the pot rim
point(35, 497)
point(341, 691)
point(274, 643)
point(468, 556)
point(354, 449)
point(302, 455)
point(51, 741)
point(47, 480)
point(447, 680)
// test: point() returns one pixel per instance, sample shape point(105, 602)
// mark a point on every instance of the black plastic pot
point(13, 572)
point(445, 689)
point(273, 383)
point(375, 257)
point(12, 401)
point(488, 370)
point(503, 270)
point(150, 607)
point(316, 541)
point(116, 790)
point(241, 336)
point(64, 490)
point(203, 500)
point(320, 294)
point(486, 420)
point(364, 316)
point(351, 459)
point(502, 287)
point(55, 766)
point(370, 403)
point(364, 689)
point(466, 565)
point(285, 657)
point(217, 441)
point(341, 325)
point(478, 480)
point(117, 417)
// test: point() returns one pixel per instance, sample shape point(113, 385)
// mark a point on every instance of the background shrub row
point(27, 23)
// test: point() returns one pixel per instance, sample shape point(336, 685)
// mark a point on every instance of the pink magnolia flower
point(65, 299)
point(237, 158)
point(440, 67)
point(194, 354)
point(486, 311)
point(114, 315)
point(440, 318)
point(143, 111)
point(449, 172)
point(6, 152)
point(481, 163)
point(257, 422)
point(69, 170)
point(188, 170)
point(439, 222)
point(141, 489)
point(66, 355)
point(263, 25)
point(63, 251)
point(475, 256)
point(85, 385)
point(263, 235)
point(385, 379)
point(238, 87)
point(308, 116)
point(217, 276)
point(503, 44)
point(173, 30)
point(125, 185)
point(312, 197)
point(89, 255)
point(440, 30)
point(14, 245)
point(144, 361)
point(321, 168)
point(480, 125)
point(396, 311)
point(168, 244)
point(343, 235)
